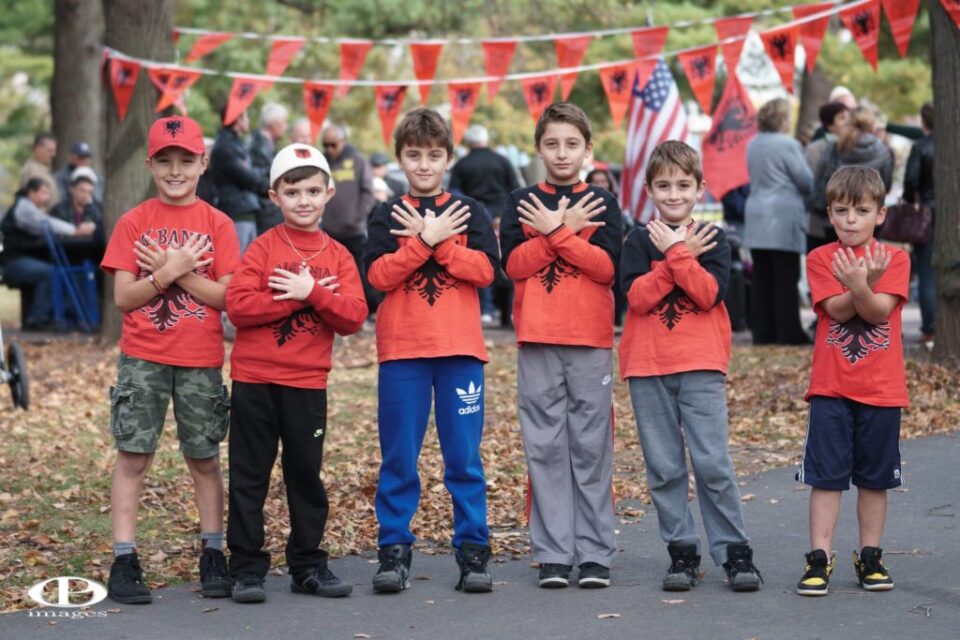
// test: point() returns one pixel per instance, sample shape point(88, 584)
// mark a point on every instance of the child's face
point(674, 193)
point(424, 167)
point(563, 150)
point(303, 202)
point(855, 222)
point(176, 173)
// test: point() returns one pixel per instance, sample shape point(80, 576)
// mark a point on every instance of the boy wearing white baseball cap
point(295, 287)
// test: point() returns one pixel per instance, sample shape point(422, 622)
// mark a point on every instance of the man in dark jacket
point(345, 216)
point(918, 187)
point(483, 174)
point(238, 183)
point(263, 146)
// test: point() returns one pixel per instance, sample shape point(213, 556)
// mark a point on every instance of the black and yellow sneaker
point(816, 579)
point(871, 573)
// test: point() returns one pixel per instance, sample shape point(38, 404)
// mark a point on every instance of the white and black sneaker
point(248, 588)
point(593, 576)
point(393, 575)
point(554, 576)
point(472, 559)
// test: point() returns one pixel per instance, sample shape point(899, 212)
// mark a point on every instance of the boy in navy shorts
point(857, 382)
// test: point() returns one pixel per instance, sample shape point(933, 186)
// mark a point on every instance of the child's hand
point(541, 219)
point(150, 256)
point(183, 260)
point(293, 286)
point(703, 240)
point(877, 262)
point(849, 270)
point(451, 222)
point(663, 237)
point(409, 217)
point(582, 214)
point(329, 283)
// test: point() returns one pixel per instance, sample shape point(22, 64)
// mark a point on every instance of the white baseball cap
point(294, 156)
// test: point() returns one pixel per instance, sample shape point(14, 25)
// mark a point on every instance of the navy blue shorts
point(848, 440)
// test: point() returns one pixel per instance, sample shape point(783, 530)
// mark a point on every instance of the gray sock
point(123, 548)
point(212, 540)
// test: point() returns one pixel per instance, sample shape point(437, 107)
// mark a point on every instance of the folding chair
point(81, 295)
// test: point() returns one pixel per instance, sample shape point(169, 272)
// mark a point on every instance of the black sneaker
point(126, 584)
point(320, 581)
point(593, 576)
point(554, 576)
point(394, 572)
point(871, 573)
point(684, 571)
point(214, 577)
point(741, 572)
point(816, 579)
point(248, 587)
point(472, 559)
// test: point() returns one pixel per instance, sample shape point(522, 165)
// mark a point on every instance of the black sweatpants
point(262, 415)
point(776, 303)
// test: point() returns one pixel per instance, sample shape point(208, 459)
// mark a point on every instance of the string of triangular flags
point(861, 17)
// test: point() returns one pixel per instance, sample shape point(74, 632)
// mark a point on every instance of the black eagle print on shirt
point(430, 281)
point(167, 309)
point(286, 329)
point(551, 275)
point(857, 338)
point(673, 308)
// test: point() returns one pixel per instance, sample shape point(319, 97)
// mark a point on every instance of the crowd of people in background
point(779, 216)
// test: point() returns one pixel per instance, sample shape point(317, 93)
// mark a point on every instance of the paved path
point(922, 546)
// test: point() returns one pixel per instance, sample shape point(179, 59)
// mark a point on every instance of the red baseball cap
point(177, 131)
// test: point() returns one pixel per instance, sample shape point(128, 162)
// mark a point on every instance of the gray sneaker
point(684, 571)
point(393, 575)
point(472, 559)
point(248, 587)
point(593, 576)
point(320, 581)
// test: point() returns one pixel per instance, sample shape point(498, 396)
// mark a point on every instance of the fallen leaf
point(747, 497)
point(361, 635)
point(673, 601)
point(608, 616)
point(209, 609)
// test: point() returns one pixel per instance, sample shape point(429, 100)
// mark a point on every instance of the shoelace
point(872, 565)
point(133, 571)
point(681, 565)
point(742, 565)
point(249, 580)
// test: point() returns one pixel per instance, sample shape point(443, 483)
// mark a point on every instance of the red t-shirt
point(856, 359)
point(289, 342)
point(173, 328)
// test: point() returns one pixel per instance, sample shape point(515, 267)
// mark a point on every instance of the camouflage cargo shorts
point(139, 401)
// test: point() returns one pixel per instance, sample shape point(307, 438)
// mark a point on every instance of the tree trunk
point(75, 95)
point(945, 53)
point(814, 92)
point(142, 30)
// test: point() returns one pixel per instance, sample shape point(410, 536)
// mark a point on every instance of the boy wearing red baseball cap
point(172, 257)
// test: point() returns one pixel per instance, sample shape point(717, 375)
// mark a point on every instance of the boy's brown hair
point(565, 112)
point(423, 127)
point(300, 173)
point(856, 184)
point(677, 155)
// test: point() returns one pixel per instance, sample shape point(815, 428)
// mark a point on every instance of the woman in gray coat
point(775, 226)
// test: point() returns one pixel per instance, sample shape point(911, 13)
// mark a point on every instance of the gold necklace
point(303, 261)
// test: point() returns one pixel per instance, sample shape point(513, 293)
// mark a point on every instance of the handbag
point(908, 222)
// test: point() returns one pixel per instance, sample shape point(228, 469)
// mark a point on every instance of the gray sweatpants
point(564, 397)
point(691, 404)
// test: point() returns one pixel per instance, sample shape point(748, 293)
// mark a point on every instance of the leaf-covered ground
point(56, 460)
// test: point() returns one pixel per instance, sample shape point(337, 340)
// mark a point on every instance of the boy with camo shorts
point(172, 257)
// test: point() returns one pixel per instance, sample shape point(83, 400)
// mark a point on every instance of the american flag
point(656, 115)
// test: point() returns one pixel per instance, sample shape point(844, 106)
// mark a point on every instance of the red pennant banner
point(206, 44)
point(733, 28)
point(172, 84)
point(538, 92)
point(811, 33)
point(123, 80)
point(242, 94)
point(725, 147)
point(781, 46)
point(644, 70)
point(952, 7)
point(463, 100)
point(700, 65)
point(570, 52)
point(618, 85)
point(316, 101)
point(901, 14)
point(426, 55)
point(497, 55)
point(649, 42)
point(353, 53)
point(389, 102)
point(281, 53)
point(863, 21)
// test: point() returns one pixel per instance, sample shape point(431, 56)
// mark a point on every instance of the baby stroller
point(13, 368)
